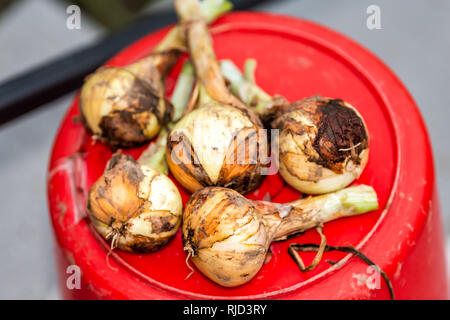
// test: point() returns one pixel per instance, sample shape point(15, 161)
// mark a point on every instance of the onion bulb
point(125, 106)
point(323, 142)
point(134, 206)
point(220, 142)
point(227, 236)
point(324, 145)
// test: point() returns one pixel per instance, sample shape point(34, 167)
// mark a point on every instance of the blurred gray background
point(413, 41)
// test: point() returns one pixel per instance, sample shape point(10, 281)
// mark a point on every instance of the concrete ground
point(412, 41)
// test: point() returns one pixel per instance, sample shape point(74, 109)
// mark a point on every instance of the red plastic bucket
point(297, 59)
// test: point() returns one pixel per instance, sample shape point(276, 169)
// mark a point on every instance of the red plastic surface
point(296, 59)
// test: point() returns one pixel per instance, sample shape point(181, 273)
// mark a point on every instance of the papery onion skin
point(137, 204)
point(217, 145)
point(324, 144)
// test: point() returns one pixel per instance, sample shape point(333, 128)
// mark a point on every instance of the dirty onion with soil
point(134, 206)
point(323, 142)
point(227, 235)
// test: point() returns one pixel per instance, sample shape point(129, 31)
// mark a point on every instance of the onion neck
point(172, 40)
point(158, 64)
point(209, 10)
point(213, 9)
point(314, 211)
point(154, 68)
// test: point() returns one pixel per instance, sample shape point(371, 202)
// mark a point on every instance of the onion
point(221, 142)
point(125, 106)
point(324, 145)
point(227, 236)
point(323, 142)
point(134, 204)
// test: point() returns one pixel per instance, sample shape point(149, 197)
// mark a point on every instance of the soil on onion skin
point(125, 127)
point(340, 130)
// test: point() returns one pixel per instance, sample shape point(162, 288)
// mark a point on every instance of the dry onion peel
point(228, 236)
point(323, 142)
point(125, 106)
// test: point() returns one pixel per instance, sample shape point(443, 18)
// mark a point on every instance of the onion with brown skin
point(227, 236)
point(125, 106)
point(323, 142)
point(221, 142)
point(134, 206)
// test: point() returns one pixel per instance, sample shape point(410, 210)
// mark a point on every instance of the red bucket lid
point(296, 59)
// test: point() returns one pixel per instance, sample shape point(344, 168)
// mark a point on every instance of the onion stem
point(348, 202)
point(200, 46)
point(249, 70)
point(213, 9)
point(309, 212)
point(210, 10)
point(244, 86)
point(183, 89)
point(172, 39)
point(155, 155)
point(360, 199)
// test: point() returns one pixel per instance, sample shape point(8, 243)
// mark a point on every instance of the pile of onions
point(218, 150)
point(228, 236)
point(323, 142)
point(220, 142)
point(125, 106)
